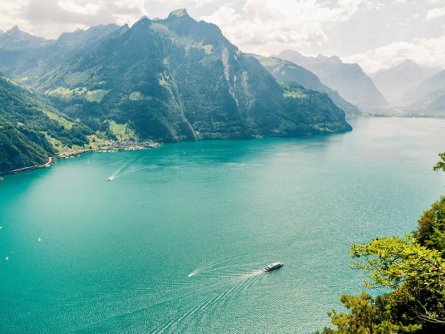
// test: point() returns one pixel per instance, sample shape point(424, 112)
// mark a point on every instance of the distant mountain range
point(349, 80)
point(167, 80)
point(427, 97)
point(26, 57)
point(286, 71)
point(17, 39)
point(395, 81)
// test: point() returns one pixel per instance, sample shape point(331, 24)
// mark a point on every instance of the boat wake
point(212, 266)
point(237, 283)
point(121, 171)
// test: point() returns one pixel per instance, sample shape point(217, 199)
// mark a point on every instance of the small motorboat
point(273, 266)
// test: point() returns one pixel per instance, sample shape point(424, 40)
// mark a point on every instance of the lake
point(176, 242)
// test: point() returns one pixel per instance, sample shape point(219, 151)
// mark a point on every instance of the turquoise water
point(176, 241)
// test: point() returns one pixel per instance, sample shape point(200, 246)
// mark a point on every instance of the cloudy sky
point(374, 33)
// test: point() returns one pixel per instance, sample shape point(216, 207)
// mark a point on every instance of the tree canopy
point(412, 269)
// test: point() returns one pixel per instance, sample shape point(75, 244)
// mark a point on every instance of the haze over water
point(176, 242)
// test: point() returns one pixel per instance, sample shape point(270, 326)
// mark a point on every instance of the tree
point(412, 268)
point(440, 165)
point(431, 229)
point(416, 275)
point(367, 316)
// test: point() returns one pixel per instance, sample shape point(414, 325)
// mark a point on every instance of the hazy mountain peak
point(408, 62)
point(395, 81)
point(322, 57)
point(179, 13)
point(14, 29)
point(80, 37)
point(348, 79)
point(15, 38)
point(292, 52)
point(332, 59)
point(16, 32)
point(144, 21)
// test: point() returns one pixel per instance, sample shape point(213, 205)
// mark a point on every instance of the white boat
point(273, 266)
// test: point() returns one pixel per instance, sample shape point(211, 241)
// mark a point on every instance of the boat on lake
point(273, 266)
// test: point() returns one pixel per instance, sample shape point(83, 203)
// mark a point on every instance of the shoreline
point(50, 161)
point(69, 155)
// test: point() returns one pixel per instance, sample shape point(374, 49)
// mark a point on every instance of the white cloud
point(11, 14)
point(265, 26)
point(423, 51)
point(85, 9)
point(435, 13)
point(391, 28)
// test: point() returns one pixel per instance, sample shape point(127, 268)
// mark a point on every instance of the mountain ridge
point(163, 64)
point(285, 71)
point(395, 81)
point(164, 80)
point(349, 80)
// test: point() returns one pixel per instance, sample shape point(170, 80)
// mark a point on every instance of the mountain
point(21, 148)
point(428, 97)
point(31, 129)
point(285, 71)
point(24, 62)
point(425, 88)
point(179, 79)
point(348, 79)
point(396, 80)
point(432, 105)
point(17, 39)
point(82, 38)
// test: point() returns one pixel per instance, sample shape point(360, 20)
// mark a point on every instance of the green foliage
point(412, 269)
point(367, 315)
point(21, 147)
point(440, 164)
point(29, 124)
point(431, 230)
point(415, 274)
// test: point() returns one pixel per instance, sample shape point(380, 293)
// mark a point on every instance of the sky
point(375, 33)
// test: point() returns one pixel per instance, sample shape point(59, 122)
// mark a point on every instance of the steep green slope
point(20, 147)
point(32, 130)
point(285, 71)
point(179, 79)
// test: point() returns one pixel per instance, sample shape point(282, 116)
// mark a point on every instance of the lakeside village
point(112, 146)
point(107, 146)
